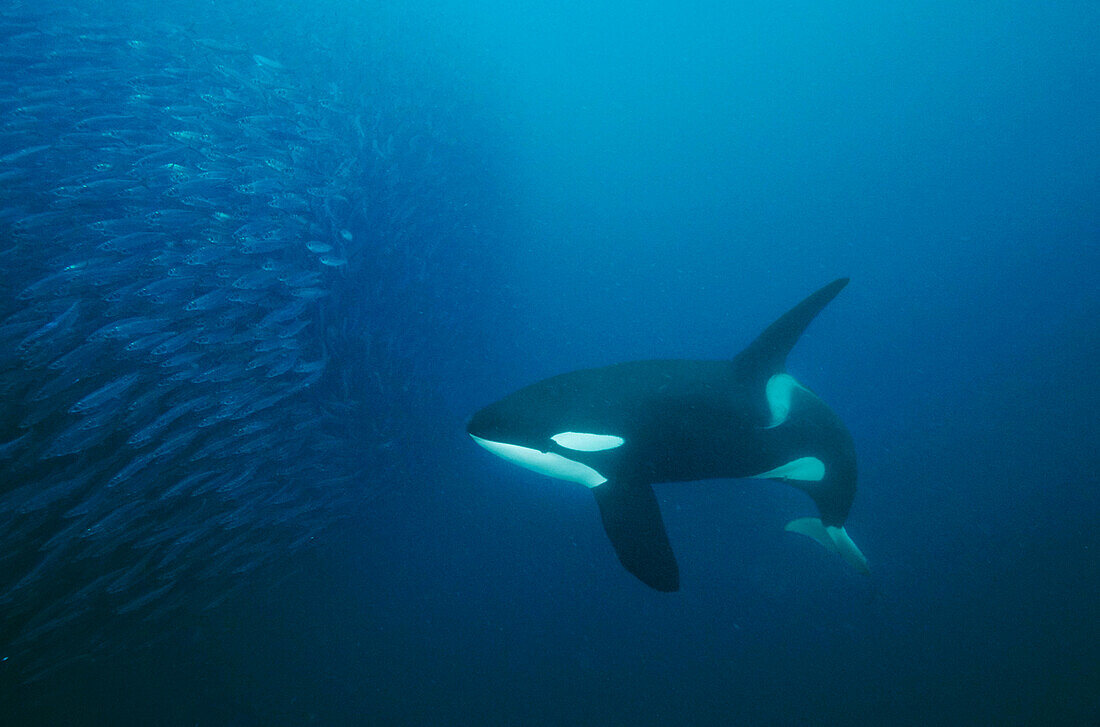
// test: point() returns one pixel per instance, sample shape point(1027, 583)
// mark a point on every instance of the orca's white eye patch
point(584, 442)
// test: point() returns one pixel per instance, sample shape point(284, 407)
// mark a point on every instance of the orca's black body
point(621, 428)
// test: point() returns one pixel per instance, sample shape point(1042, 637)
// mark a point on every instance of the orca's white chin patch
point(545, 463)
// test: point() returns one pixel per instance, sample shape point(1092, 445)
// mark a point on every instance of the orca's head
point(528, 432)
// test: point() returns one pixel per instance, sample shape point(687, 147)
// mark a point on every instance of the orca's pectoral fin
point(632, 519)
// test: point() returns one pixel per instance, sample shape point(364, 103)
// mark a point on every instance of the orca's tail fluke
point(833, 539)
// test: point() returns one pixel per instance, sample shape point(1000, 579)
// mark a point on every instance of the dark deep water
point(574, 185)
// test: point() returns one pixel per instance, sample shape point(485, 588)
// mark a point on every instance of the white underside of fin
point(847, 549)
point(833, 539)
point(812, 528)
point(545, 463)
point(803, 469)
point(779, 390)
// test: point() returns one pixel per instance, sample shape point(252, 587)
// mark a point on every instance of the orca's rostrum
point(619, 429)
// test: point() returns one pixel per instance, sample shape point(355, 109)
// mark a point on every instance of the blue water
point(652, 180)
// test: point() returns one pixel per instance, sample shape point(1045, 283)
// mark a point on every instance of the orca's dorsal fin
point(768, 353)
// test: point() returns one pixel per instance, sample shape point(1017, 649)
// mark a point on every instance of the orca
point(619, 429)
